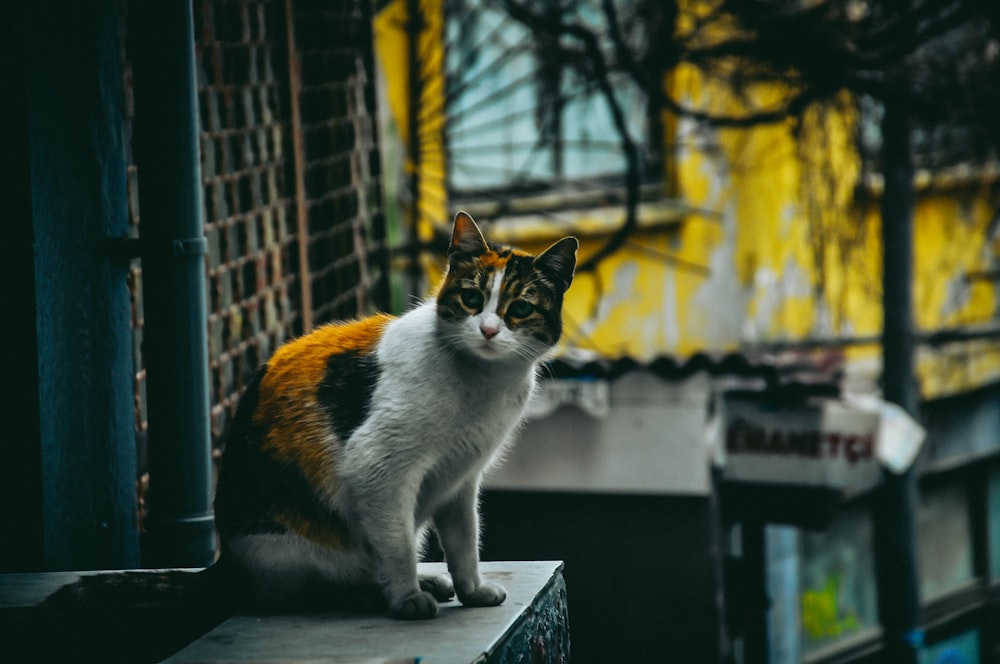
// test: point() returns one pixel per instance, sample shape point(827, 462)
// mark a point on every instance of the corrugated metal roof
point(811, 374)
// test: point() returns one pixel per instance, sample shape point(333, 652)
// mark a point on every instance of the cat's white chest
point(426, 389)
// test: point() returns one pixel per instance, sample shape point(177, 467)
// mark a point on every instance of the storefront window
point(783, 571)
point(945, 540)
point(994, 524)
point(838, 586)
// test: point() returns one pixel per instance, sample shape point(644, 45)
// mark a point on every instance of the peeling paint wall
point(799, 255)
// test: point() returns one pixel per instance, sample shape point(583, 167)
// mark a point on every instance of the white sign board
point(828, 444)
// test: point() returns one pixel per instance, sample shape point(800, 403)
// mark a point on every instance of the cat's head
point(498, 302)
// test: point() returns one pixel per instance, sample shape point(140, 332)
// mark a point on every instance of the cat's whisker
point(545, 371)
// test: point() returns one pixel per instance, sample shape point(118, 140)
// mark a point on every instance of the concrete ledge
point(531, 625)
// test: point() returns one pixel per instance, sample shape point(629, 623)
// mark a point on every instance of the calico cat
point(355, 439)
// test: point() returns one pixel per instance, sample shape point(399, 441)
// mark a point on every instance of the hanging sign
point(831, 444)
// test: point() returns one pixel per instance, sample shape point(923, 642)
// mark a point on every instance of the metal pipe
point(180, 523)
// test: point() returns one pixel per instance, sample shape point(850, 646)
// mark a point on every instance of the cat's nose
point(490, 325)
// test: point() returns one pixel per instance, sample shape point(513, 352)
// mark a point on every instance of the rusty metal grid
point(248, 187)
point(290, 177)
point(340, 160)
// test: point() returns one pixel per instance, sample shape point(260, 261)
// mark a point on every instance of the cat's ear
point(466, 236)
point(559, 261)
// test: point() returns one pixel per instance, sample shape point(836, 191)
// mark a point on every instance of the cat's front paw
point(438, 585)
point(416, 606)
point(485, 594)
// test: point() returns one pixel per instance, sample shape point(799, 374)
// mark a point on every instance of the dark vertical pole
point(414, 26)
point(78, 202)
point(550, 89)
point(753, 535)
point(166, 143)
point(21, 471)
point(899, 599)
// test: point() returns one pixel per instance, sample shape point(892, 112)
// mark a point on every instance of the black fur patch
point(522, 279)
point(346, 390)
point(253, 487)
point(236, 504)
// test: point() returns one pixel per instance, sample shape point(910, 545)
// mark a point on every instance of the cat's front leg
point(457, 525)
point(390, 534)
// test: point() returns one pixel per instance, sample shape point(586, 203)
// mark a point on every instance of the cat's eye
point(520, 309)
point(472, 298)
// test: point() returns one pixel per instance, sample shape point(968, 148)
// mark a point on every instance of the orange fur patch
point(491, 260)
point(497, 260)
point(327, 537)
point(296, 424)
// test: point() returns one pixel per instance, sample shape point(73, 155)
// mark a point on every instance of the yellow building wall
point(769, 244)
point(805, 251)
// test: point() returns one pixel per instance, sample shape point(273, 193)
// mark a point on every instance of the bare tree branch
point(599, 74)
